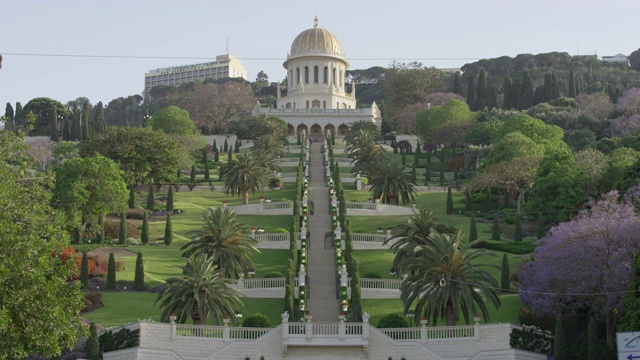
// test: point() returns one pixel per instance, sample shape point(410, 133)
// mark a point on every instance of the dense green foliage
point(139, 277)
point(111, 272)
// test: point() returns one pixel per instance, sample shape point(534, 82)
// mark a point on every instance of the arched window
point(290, 80)
point(326, 75)
point(306, 75)
point(315, 104)
point(307, 104)
point(298, 76)
point(288, 105)
point(315, 75)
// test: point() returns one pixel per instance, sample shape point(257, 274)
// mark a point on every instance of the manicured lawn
point(507, 313)
point(124, 307)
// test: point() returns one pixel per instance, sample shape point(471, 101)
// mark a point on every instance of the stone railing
point(361, 205)
point(220, 332)
point(384, 284)
point(270, 288)
point(426, 333)
point(272, 237)
point(326, 334)
point(277, 205)
point(370, 237)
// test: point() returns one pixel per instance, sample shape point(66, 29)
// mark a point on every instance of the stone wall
point(487, 342)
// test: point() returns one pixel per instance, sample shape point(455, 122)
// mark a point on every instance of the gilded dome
point(316, 41)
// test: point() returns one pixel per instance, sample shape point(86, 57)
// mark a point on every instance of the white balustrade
point(199, 331)
point(277, 205)
point(369, 237)
point(270, 237)
point(248, 333)
point(361, 205)
point(386, 284)
point(451, 332)
point(402, 334)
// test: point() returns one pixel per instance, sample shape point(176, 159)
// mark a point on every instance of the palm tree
point(201, 292)
point(225, 241)
point(448, 280)
point(393, 183)
point(244, 174)
point(267, 159)
point(270, 144)
point(407, 237)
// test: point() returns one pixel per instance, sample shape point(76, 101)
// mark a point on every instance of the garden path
point(322, 302)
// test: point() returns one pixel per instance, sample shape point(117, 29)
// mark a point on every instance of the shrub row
point(510, 247)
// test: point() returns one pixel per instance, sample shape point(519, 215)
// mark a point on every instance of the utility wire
point(211, 58)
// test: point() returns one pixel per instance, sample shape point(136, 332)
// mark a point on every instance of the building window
point(326, 74)
point(307, 104)
point(288, 105)
point(290, 80)
point(324, 104)
point(315, 104)
point(315, 76)
point(333, 77)
point(298, 76)
point(306, 75)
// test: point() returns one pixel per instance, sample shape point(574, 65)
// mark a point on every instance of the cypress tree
point(571, 91)
point(518, 229)
point(527, 91)
point(418, 149)
point(215, 146)
point(101, 125)
point(592, 339)
point(151, 198)
point(356, 294)
point(111, 272)
point(516, 95)
point(84, 271)
point(216, 155)
point(471, 93)
point(495, 231)
point(487, 200)
point(92, 347)
point(540, 233)
point(139, 278)
point(19, 115)
point(226, 145)
point(473, 229)
point(559, 344)
point(538, 95)
point(482, 97)
point(205, 160)
point(404, 159)
point(441, 176)
point(413, 173)
point(333, 138)
point(505, 282)
point(236, 149)
point(132, 198)
point(493, 97)
point(144, 235)
point(170, 199)
point(100, 230)
point(457, 86)
point(8, 113)
point(193, 173)
point(122, 233)
point(230, 157)
point(456, 174)
point(168, 232)
point(54, 125)
point(449, 201)
point(77, 237)
point(468, 205)
point(555, 87)
point(506, 91)
point(547, 88)
point(66, 132)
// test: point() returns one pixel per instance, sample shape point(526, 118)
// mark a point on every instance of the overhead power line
point(213, 58)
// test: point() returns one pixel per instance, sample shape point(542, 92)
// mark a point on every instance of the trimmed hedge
point(508, 247)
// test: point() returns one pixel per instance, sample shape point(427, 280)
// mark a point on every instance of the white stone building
point(317, 100)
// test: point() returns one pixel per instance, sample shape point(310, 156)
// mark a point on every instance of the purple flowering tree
point(629, 102)
point(626, 125)
point(586, 262)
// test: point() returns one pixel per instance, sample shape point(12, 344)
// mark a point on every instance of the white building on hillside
point(317, 100)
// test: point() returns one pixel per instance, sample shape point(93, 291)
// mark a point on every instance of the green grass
point(124, 307)
point(507, 313)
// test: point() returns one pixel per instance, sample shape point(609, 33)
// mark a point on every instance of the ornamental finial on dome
point(315, 22)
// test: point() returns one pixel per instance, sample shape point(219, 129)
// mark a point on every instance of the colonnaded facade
point(317, 100)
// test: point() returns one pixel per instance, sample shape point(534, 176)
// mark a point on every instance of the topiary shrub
point(392, 321)
point(274, 274)
point(256, 320)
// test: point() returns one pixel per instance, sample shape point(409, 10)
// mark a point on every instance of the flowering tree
point(629, 102)
point(586, 262)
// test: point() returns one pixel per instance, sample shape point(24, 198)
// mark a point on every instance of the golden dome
point(316, 41)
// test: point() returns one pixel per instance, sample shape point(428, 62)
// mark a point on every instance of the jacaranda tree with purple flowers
point(585, 262)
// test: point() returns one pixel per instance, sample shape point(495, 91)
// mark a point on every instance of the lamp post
point(146, 120)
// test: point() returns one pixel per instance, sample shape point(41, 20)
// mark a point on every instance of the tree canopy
point(173, 120)
point(143, 154)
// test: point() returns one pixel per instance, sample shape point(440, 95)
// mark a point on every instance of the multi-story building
point(224, 66)
point(620, 58)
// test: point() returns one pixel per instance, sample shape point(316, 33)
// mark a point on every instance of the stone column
point(365, 325)
point(285, 325)
point(172, 323)
point(342, 330)
point(226, 332)
point(358, 182)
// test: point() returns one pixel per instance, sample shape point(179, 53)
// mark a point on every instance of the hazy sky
point(446, 33)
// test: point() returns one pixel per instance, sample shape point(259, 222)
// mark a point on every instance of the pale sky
point(445, 33)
